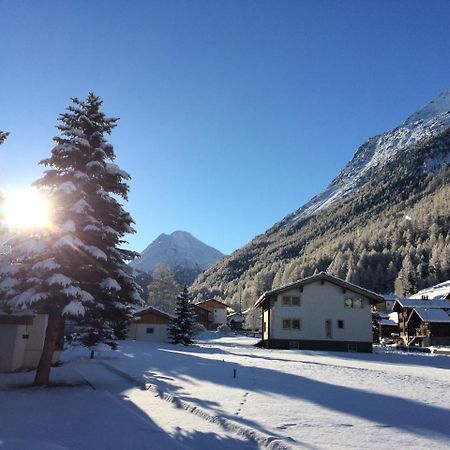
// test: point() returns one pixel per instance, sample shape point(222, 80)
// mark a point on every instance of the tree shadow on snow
point(390, 411)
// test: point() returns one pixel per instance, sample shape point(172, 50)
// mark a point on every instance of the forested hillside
point(392, 234)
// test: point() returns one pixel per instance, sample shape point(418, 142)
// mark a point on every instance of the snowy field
point(278, 399)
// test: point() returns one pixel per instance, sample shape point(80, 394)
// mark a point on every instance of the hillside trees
point(76, 267)
point(163, 289)
point(365, 238)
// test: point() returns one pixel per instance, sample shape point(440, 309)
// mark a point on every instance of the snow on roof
point(422, 303)
point(387, 322)
point(441, 290)
point(326, 277)
point(433, 315)
point(154, 310)
point(211, 300)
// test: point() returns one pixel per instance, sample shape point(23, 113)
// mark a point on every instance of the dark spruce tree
point(182, 327)
point(77, 267)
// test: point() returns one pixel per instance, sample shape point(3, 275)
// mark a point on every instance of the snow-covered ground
point(296, 399)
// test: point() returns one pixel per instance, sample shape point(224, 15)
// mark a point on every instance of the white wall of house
point(138, 331)
point(220, 316)
point(319, 303)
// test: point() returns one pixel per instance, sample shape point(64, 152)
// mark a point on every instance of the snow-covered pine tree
point(181, 329)
point(3, 136)
point(77, 268)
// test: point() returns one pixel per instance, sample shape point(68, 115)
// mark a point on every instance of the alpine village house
point(320, 312)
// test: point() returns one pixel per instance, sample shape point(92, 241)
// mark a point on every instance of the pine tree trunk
point(52, 333)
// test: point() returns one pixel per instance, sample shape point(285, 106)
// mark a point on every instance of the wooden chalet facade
point(217, 313)
point(424, 322)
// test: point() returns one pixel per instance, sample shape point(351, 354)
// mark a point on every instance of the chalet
point(201, 315)
point(441, 290)
point(22, 337)
point(150, 324)
point(217, 313)
point(320, 312)
point(423, 322)
point(235, 320)
point(385, 326)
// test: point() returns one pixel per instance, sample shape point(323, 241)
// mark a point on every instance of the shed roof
point(375, 298)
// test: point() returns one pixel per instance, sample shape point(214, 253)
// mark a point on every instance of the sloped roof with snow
point(421, 303)
point(152, 309)
point(322, 276)
point(441, 290)
point(387, 323)
point(433, 315)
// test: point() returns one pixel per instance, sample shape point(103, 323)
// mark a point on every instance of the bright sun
point(26, 209)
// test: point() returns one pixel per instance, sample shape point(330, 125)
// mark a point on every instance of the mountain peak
point(178, 250)
point(440, 105)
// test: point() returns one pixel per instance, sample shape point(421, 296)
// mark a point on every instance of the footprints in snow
point(242, 403)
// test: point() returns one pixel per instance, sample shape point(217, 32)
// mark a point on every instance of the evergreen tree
point(181, 329)
point(3, 136)
point(76, 268)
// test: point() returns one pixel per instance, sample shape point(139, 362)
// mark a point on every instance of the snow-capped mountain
point(428, 121)
point(383, 222)
point(179, 251)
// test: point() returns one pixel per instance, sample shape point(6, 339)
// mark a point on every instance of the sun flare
point(26, 209)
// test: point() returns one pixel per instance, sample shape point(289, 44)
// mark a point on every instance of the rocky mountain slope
point(383, 222)
point(184, 254)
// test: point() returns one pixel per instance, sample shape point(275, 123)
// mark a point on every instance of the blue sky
point(233, 113)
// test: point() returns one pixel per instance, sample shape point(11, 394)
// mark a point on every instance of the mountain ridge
point(180, 251)
point(404, 169)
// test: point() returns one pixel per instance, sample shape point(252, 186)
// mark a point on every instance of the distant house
point(201, 315)
point(385, 325)
point(441, 290)
point(22, 340)
point(423, 321)
point(150, 324)
point(320, 312)
point(217, 313)
point(235, 320)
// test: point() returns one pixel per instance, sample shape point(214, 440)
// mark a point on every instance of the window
point(354, 302)
point(264, 327)
point(150, 330)
point(290, 301)
point(340, 324)
point(291, 324)
point(352, 347)
point(294, 345)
